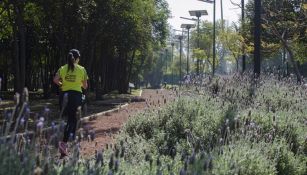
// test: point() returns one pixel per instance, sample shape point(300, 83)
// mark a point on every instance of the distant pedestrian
point(71, 78)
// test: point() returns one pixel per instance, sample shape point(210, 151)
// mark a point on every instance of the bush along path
point(228, 126)
point(99, 133)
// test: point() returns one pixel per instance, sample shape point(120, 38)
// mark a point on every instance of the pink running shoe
point(63, 148)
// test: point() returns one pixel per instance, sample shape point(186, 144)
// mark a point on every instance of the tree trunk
point(22, 45)
point(130, 67)
point(257, 38)
point(17, 83)
point(15, 52)
point(123, 74)
point(243, 34)
point(89, 62)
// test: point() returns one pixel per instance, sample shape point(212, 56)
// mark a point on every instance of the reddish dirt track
point(107, 126)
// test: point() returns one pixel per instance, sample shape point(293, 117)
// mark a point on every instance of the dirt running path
point(107, 126)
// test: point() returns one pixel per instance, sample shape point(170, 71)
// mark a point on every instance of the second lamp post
point(188, 27)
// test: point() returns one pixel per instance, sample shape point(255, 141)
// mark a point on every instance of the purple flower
point(182, 172)
point(22, 120)
point(46, 110)
point(41, 119)
point(116, 167)
point(71, 136)
point(28, 110)
point(40, 125)
point(53, 126)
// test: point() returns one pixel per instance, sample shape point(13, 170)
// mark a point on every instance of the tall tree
point(284, 27)
point(243, 34)
point(115, 37)
point(257, 38)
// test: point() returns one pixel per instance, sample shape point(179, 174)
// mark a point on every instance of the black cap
point(75, 53)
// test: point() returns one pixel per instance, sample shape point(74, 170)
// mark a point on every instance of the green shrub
point(195, 120)
point(243, 158)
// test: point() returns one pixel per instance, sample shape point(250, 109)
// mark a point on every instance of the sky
point(180, 8)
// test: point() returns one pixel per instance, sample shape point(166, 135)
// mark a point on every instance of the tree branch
point(236, 4)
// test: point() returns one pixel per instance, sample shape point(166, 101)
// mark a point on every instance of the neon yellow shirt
point(72, 80)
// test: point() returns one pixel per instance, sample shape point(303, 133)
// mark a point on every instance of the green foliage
point(233, 42)
point(205, 39)
point(110, 34)
point(199, 54)
point(13, 165)
point(239, 130)
point(180, 122)
point(281, 21)
point(6, 29)
point(288, 162)
point(300, 51)
point(243, 158)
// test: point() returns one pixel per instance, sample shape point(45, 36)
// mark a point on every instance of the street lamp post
point(212, 1)
point(166, 51)
point(180, 54)
point(172, 62)
point(188, 27)
point(198, 14)
point(222, 15)
point(161, 63)
point(191, 19)
point(182, 31)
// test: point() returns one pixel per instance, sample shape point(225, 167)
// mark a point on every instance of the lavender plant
point(223, 125)
point(244, 126)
